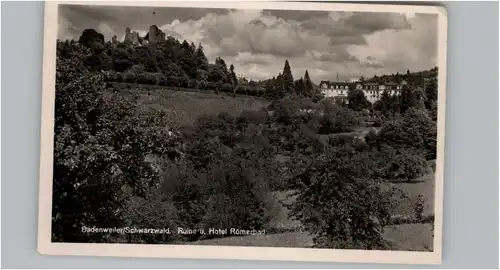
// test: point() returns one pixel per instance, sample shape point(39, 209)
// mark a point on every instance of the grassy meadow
point(184, 107)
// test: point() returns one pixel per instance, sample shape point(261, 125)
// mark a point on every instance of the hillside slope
point(184, 107)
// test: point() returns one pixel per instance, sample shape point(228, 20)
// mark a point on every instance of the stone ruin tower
point(155, 34)
point(131, 37)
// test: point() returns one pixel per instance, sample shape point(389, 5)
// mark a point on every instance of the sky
point(257, 42)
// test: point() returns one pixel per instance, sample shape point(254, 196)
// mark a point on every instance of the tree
point(341, 120)
point(232, 74)
point(216, 73)
point(308, 85)
point(431, 92)
point(406, 165)
point(387, 105)
point(287, 77)
point(201, 59)
point(145, 56)
point(300, 87)
point(99, 149)
point(357, 100)
point(339, 204)
point(415, 130)
point(188, 60)
point(121, 59)
point(280, 87)
point(89, 37)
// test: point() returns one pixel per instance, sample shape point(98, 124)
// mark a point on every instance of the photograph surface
point(245, 130)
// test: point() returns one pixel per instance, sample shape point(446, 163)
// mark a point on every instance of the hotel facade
point(372, 90)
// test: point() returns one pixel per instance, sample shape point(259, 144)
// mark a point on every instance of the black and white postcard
point(243, 130)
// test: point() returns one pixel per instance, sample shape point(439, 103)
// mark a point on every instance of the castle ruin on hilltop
point(133, 38)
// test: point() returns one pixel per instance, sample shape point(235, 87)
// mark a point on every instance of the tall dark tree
point(279, 86)
point(201, 59)
point(232, 74)
point(89, 37)
point(382, 104)
point(270, 87)
point(216, 72)
point(308, 85)
point(288, 83)
point(412, 98)
point(187, 59)
point(300, 88)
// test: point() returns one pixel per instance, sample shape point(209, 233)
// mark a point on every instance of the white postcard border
point(46, 247)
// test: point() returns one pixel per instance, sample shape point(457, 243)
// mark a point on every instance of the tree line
point(178, 63)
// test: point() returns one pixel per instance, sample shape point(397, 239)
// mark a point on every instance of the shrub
point(118, 77)
point(228, 192)
point(240, 89)
point(211, 86)
point(371, 138)
point(227, 88)
point(157, 77)
point(142, 78)
point(406, 165)
point(183, 81)
point(192, 83)
point(154, 212)
point(163, 81)
point(137, 69)
point(129, 77)
point(202, 85)
point(172, 81)
point(237, 197)
point(343, 121)
point(414, 130)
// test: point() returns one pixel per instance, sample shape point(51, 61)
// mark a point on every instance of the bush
point(227, 88)
point(414, 130)
point(157, 77)
point(211, 85)
point(192, 83)
point(371, 138)
point(406, 165)
point(347, 140)
point(183, 81)
point(148, 78)
point(163, 80)
point(202, 85)
point(141, 78)
point(343, 121)
point(228, 192)
point(129, 77)
point(118, 77)
point(237, 197)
